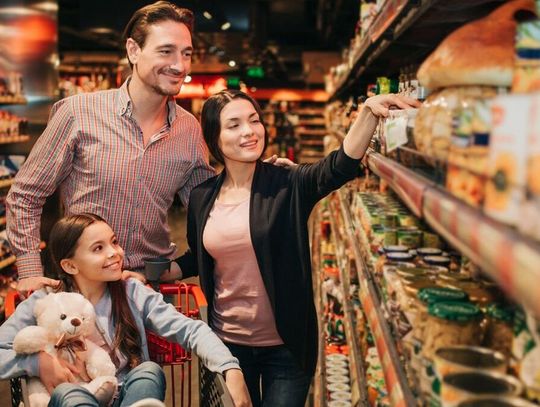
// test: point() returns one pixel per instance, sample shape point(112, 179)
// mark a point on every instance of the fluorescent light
point(232, 63)
point(46, 6)
point(225, 26)
point(207, 15)
point(187, 79)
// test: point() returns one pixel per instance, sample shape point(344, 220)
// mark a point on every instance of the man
point(122, 154)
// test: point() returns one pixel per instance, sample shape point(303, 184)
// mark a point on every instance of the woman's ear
point(68, 266)
point(133, 50)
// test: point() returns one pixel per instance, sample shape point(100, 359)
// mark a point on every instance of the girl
point(247, 232)
point(88, 260)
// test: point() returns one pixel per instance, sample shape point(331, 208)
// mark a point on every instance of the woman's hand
point(26, 285)
point(54, 371)
point(380, 104)
point(234, 378)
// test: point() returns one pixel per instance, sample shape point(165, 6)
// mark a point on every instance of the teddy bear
point(64, 323)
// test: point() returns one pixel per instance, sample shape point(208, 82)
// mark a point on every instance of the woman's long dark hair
point(63, 243)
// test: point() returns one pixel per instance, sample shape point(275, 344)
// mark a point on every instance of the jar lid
point(437, 260)
point(428, 251)
point(455, 311)
point(431, 295)
point(411, 271)
point(501, 312)
point(398, 256)
point(395, 249)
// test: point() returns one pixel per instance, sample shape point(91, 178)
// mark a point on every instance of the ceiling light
point(46, 6)
point(232, 63)
point(207, 15)
point(187, 79)
point(225, 26)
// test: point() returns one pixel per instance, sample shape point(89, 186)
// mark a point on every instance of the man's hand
point(54, 371)
point(380, 104)
point(234, 378)
point(26, 285)
point(280, 162)
point(133, 274)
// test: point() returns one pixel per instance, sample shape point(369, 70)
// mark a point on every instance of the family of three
point(118, 158)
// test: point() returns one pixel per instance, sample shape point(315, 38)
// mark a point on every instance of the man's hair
point(211, 119)
point(137, 27)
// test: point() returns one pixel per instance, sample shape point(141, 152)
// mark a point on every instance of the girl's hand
point(234, 378)
point(54, 371)
point(380, 104)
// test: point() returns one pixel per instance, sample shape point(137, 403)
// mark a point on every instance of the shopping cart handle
point(11, 301)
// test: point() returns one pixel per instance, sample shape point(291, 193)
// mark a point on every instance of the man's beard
point(164, 92)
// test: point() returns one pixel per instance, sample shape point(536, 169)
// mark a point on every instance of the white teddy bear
point(64, 322)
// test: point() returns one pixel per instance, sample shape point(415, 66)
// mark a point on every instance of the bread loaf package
point(479, 53)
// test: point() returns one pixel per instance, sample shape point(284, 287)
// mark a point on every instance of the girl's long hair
point(63, 242)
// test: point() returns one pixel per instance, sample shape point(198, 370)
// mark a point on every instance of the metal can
point(458, 387)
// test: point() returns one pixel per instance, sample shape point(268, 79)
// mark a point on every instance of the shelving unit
point(405, 31)
point(11, 100)
point(309, 132)
point(358, 374)
point(2, 221)
point(507, 256)
point(14, 139)
point(7, 262)
point(396, 380)
point(6, 183)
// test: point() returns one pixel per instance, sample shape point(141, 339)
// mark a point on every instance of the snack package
point(505, 188)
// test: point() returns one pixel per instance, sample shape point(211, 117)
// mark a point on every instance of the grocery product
point(478, 53)
point(457, 387)
point(455, 359)
point(505, 189)
point(434, 124)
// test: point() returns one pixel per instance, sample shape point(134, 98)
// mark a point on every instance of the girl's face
point(98, 257)
point(242, 133)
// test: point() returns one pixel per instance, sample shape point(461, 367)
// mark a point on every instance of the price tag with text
point(395, 130)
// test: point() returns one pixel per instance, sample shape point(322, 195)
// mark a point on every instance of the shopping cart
point(191, 302)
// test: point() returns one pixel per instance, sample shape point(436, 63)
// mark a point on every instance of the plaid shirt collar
point(125, 104)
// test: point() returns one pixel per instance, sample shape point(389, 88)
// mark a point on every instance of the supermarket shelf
point(312, 142)
point(2, 221)
point(312, 122)
point(308, 112)
point(11, 100)
point(508, 257)
point(7, 262)
point(319, 380)
point(356, 366)
point(14, 139)
point(404, 31)
point(6, 183)
point(340, 135)
point(310, 132)
point(399, 391)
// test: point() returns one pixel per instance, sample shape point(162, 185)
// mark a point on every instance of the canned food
point(437, 260)
point(341, 395)
point(428, 251)
point(399, 256)
point(337, 370)
point(410, 237)
point(490, 401)
point(337, 378)
point(457, 387)
point(339, 403)
point(338, 387)
point(454, 359)
point(395, 249)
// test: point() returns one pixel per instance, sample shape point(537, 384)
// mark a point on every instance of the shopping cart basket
point(189, 301)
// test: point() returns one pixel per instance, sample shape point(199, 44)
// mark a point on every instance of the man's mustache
point(172, 71)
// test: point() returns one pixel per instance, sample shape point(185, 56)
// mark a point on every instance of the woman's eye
point(98, 248)
point(115, 242)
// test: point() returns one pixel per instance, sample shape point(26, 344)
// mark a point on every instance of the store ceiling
point(269, 33)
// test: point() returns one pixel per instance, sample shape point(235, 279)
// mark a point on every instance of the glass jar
point(451, 323)
point(499, 332)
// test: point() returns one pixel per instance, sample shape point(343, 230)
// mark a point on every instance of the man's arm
point(48, 164)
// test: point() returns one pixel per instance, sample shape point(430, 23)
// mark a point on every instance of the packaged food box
point(529, 223)
point(505, 189)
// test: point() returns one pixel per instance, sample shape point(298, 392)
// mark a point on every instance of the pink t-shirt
point(242, 312)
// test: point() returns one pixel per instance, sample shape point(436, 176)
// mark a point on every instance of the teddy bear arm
point(98, 361)
point(31, 339)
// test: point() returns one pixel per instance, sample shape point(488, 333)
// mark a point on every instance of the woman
point(88, 259)
point(248, 239)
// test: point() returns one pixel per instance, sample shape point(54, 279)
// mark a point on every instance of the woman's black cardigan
point(281, 202)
